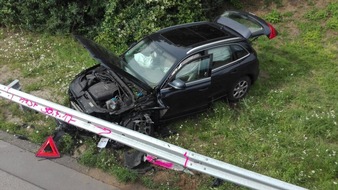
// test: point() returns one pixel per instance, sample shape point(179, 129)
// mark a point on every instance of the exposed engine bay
point(106, 92)
point(98, 91)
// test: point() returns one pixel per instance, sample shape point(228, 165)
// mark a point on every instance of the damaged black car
point(175, 72)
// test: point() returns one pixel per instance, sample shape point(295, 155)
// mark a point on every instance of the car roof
point(181, 39)
point(194, 34)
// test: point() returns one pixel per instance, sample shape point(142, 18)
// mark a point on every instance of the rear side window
point(226, 54)
point(239, 51)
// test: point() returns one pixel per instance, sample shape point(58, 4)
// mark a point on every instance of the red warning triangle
point(52, 149)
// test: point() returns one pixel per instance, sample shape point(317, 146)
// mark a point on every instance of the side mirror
point(177, 84)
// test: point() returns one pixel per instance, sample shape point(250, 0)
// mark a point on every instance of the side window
point(239, 51)
point(221, 56)
point(226, 54)
point(194, 70)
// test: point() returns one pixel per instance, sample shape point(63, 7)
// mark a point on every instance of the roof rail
point(211, 43)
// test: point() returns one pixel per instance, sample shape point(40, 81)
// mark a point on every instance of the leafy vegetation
point(53, 15)
point(125, 23)
point(286, 128)
point(91, 16)
point(274, 17)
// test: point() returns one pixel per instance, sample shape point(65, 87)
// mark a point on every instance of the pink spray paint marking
point(50, 111)
point(105, 130)
point(158, 162)
point(70, 118)
point(29, 103)
point(8, 92)
point(47, 110)
point(57, 114)
point(186, 159)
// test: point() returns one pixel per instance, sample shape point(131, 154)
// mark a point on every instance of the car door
point(228, 65)
point(247, 24)
point(187, 89)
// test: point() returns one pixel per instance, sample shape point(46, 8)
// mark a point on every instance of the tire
point(239, 89)
point(140, 123)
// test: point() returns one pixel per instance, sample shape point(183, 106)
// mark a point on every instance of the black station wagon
point(177, 71)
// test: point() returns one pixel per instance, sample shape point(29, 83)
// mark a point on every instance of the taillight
point(273, 31)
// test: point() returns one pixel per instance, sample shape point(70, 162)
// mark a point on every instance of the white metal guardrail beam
point(147, 144)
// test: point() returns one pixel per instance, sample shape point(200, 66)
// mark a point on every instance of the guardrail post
point(16, 85)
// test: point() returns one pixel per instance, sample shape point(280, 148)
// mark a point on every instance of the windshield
point(148, 62)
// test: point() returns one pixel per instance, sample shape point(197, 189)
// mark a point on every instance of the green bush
point(53, 16)
point(333, 9)
point(316, 14)
point(127, 21)
point(332, 23)
point(116, 23)
point(274, 17)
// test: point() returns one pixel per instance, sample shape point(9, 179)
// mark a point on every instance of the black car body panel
point(171, 73)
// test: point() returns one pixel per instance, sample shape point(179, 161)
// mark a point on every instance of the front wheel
point(141, 123)
point(239, 89)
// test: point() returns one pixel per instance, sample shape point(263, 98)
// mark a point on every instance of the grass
point(286, 128)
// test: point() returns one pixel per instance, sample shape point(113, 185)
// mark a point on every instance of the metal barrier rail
point(147, 144)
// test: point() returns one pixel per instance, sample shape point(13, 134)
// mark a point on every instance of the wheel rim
point(142, 126)
point(240, 89)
